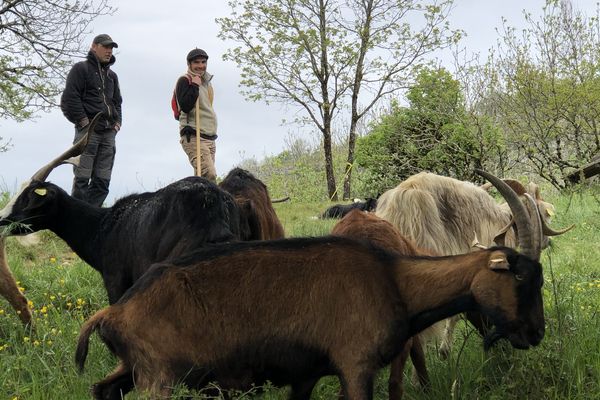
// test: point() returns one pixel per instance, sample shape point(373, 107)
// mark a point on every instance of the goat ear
point(498, 261)
point(549, 209)
point(500, 240)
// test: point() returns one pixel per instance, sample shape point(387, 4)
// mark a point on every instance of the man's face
point(104, 53)
point(199, 65)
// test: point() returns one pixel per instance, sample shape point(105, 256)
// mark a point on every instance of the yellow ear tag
point(550, 212)
point(41, 192)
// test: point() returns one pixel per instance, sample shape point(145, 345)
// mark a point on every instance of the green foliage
point(38, 365)
point(546, 91)
point(62, 292)
point(299, 173)
point(433, 133)
point(38, 39)
point(327, 58)
point(299, 178)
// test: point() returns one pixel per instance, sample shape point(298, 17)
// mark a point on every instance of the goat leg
point(303, 390)
point(9, 289)
point(115, 385)
point(417, 356)
point(395, 390)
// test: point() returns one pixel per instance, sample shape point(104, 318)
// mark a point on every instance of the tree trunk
point(350, 161)
point(330, 174)
point(587, 171)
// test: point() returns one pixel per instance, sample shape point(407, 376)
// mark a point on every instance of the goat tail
point(84, 336)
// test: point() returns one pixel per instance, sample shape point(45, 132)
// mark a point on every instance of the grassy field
point(63, 291)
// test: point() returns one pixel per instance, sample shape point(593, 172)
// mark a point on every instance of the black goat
point(340, 210)
point(122, 241)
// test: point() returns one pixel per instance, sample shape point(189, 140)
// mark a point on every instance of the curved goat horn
point(536, 221)
point(512, 183)
point(529, 246)
point(554, 232)
point(500, 236)
point(73, 151)
point(284, 199)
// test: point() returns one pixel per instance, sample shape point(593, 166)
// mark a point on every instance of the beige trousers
point(208, 149)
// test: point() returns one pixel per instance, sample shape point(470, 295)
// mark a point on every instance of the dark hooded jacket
point(92, 88)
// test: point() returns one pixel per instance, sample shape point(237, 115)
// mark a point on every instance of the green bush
point(433, 133)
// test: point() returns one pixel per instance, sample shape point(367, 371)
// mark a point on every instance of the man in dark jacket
point(91, 88)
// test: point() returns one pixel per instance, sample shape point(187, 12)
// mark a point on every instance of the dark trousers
point(92, 175)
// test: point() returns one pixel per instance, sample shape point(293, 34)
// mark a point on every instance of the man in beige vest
point(194, 95)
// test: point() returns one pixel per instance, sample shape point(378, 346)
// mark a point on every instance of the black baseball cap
point(196, 53)
point(105, 40)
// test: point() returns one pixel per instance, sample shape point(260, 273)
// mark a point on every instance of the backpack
point(175, 104)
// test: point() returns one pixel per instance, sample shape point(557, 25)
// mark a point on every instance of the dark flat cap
point(196, 53)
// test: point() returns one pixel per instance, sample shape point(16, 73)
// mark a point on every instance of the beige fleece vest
point(208, 117)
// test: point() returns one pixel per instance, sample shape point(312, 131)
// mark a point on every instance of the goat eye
point(519, 277)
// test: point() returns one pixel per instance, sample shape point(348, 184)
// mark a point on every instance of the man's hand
point(197, 80)
point(83, 122)
point(117, 127)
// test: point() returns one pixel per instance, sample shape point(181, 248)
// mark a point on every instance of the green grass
point(64, 291)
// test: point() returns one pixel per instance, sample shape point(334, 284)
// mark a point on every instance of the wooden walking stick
point(198, 154)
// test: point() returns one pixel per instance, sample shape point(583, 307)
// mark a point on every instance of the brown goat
point(9, 289)
point(445, 215)
point(254, 201)
point(362, 225)
point(292, 311)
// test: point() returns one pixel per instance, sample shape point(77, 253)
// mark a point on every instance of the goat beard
point(491, 338)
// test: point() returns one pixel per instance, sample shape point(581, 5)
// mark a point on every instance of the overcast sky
point(153, 42)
